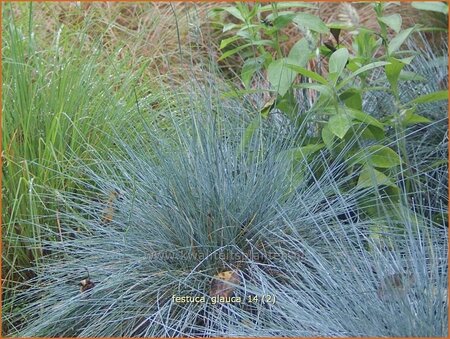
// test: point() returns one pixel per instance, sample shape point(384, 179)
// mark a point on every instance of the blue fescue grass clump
point(395, 291)
point(179, 206)
point(180, 188)
point(163, 215)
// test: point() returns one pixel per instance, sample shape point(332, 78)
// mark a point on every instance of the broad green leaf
point(394, 21)
point(280, 76)
point(352, 98)
point(407, 60)
point(377, 133)
point(283, 5)
point(415, 119)
point(288, 105)
point(354, 114)
point(398, 40)
point(317, 87)
point(245, 34)
point(370, 177)
point(229, 27)
point(327, 137)
point(299, 53)
point(249, 68)
point(435, 96)
point(408, 117)
point(249, 132)
point(393, 70)
point(272, 17)
point(364, 117)
point(325, 99)
point(312, 22)
point(338, 60)
point(239, 48)
point(379, 156)
point(298, 154)
point(282, 21)
point(235, 12)
point(246, 28)
point(365, 42)
point(370, 66)
point(339, 124)
point(232, 52)
point(267, 108)
point(361, 70)
point(433, 6)
point(225, 42)
point(262, 43)
point(307, 73)
point(366, 132)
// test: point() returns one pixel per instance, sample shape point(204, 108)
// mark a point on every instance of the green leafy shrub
point(332, 99)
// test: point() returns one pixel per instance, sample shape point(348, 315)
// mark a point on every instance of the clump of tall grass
point(56, 99)
point(211, 198)
point(398, 289)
